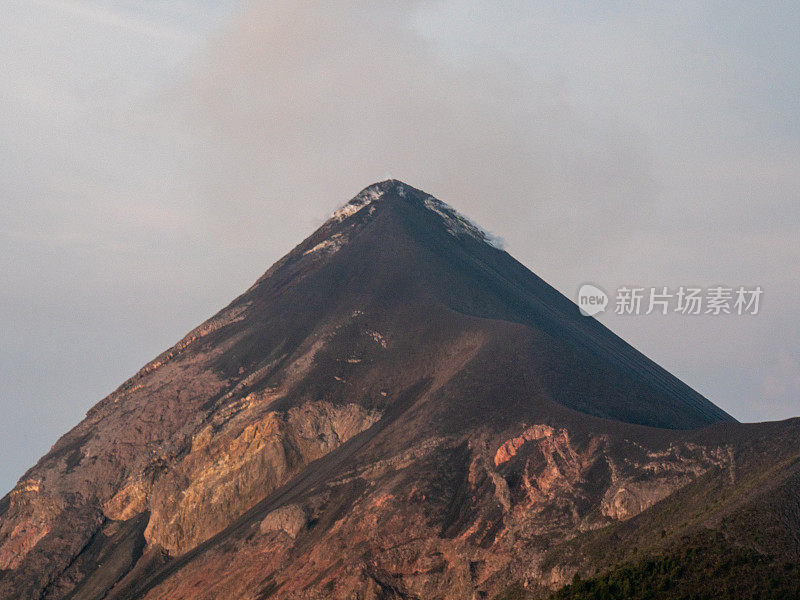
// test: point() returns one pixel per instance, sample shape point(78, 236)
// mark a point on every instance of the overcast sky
point(157, 156)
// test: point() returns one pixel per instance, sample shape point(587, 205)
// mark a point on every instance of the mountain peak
point(367, 196)
point(454, 222)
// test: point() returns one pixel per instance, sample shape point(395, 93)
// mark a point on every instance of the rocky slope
point(396, 409)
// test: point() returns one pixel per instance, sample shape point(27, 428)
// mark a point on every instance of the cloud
point(116, 17)
point(298, 107)
point(96, 228)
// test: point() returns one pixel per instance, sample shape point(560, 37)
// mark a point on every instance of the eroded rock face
point(598, 479)
point(638, 482)
point(444, 519)
point(509, 448)
point(228, 470)
point(290, 519)
point(21, 535)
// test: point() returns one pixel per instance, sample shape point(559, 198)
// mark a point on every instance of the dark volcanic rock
point(396, 409)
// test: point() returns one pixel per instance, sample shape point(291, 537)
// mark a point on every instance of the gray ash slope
point(393, 241)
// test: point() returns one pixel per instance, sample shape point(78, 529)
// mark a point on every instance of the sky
point(157, 156)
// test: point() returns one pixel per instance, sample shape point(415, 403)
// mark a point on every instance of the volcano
point(398, 409)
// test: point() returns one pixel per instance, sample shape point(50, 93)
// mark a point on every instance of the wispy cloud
point(135, 19)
